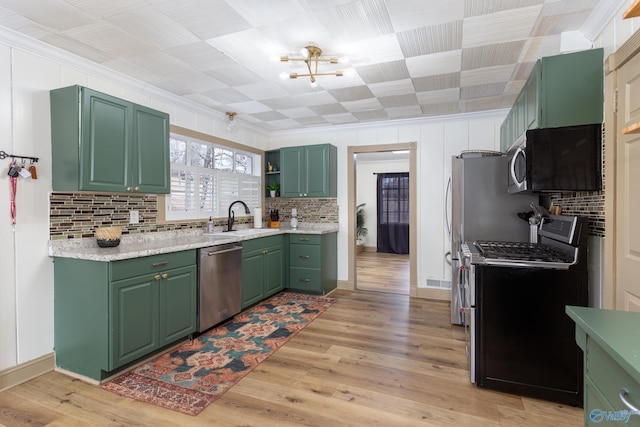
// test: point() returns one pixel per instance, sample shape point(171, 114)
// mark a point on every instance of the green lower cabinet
point(313, 263)
point(263, 268)
point(110, 314)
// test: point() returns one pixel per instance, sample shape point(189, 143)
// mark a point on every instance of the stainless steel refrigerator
point(482, 209)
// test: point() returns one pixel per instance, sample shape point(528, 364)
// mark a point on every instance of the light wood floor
point(371, 359)
point(383, 272)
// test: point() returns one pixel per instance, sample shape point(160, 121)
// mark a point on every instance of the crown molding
point(604, 12)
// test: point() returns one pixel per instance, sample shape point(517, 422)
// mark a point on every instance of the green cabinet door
point(275, 272)
point(292, 172)
point(106, 146)
point(252, 278)
point(178, 303)
point(151, 155)
point(133, 319)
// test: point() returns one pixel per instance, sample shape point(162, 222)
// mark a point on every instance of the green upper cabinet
point(562, 90)
point(103, 143)
point(309, 171)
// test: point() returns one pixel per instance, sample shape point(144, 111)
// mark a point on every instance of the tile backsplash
point(588, 203)
point(74, 215)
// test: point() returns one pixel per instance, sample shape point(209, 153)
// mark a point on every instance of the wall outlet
point(134, 218)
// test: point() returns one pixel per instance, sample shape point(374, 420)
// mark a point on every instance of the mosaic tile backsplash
point(77, 215)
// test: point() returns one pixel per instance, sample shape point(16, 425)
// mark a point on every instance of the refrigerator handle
point(446, 202)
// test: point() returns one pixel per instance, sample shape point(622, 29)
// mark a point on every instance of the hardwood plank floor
point(371, 359)
point(381, 272)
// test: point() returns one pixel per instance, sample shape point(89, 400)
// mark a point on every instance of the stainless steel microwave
point(564, 159)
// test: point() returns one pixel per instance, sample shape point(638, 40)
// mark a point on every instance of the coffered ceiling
point(406, 58)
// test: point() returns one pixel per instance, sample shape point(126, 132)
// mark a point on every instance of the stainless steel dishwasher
point(219, 284)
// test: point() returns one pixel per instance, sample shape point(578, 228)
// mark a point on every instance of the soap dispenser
point(210, 226)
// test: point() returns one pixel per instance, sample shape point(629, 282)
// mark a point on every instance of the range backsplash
point(74, 215)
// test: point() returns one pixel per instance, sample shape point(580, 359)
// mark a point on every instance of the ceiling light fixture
point(231, 125)
point(312, 56)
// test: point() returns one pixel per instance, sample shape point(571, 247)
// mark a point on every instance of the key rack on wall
point(4, 155)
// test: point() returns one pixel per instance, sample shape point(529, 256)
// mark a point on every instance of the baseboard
point(26, 371)
point(431, 293)
point(346, 285)
point(371, 249)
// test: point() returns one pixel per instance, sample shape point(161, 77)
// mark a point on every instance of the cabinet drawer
point(261, 243)
point(308, 256)
point(609, 377)
point(151, 264)
point(305, 239)
point(305, 279)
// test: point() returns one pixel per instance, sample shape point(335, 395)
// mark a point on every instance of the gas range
point(558, 248)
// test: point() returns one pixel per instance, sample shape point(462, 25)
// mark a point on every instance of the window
point(393, 198)
point(206, 178)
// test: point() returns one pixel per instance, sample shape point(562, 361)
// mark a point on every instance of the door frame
point(616, 60)
point(351, 208)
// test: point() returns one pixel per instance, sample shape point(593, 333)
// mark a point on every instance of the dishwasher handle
point(235, 248)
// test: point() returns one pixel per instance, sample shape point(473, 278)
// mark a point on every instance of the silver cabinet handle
point(304, 280)
point(623, 396)
point(303, 239)
point(305, 256)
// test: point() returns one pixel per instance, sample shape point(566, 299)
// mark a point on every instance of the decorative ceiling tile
point(340, 119)
point(295, 113)
point(443, 81)
point(434, 64)
point(352, 93)
point(405, 112)
point(385, 72)
point(410, 14)
point(227, 96)
point(108, 39)
point(492, 55)
point(512, 24)
point(439, 96)
point(433, 39)
point(444, 108)
point(398, 100)
point(371, 115)
point(478, 76)
point(482, 91)
point(362, 105)
point(327, 109)
point(357, 20)
point(487, 7)
point(396, 87)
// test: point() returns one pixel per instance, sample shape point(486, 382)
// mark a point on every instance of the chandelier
point(312, 56)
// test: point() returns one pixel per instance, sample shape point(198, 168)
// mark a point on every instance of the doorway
point(368, 269)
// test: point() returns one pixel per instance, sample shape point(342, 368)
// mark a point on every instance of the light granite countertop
point(146, 244)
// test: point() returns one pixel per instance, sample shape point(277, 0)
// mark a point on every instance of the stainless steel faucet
point(231, 219)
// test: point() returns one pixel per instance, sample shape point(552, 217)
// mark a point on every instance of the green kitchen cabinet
point(103, 143)
point(562, 90)
point(111, 314)
point(309, 171)
point(609, 341)
point(313, 263)
point(263, 268)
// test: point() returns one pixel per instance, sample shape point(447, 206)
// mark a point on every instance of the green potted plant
point(361, 230)
point(273, 188)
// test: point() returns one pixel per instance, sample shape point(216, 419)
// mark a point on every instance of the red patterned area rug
point(190, 377)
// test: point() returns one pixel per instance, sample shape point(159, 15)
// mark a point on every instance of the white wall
point(26, 288)
point(367, 189)
point(437, 140)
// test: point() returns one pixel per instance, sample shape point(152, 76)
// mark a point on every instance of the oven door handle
point(527, 265)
